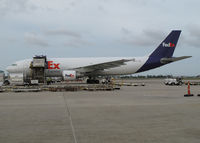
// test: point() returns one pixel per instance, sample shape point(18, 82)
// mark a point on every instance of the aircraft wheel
point(92, 81)
point(96, 81)
point(6, 82)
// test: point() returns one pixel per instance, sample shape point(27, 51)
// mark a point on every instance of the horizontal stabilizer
point(173, 59)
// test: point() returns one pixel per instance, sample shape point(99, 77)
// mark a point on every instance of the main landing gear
point(92, 81)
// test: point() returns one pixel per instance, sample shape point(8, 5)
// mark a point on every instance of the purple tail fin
point(167, 47)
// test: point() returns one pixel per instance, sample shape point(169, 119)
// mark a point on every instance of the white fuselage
point(61, 64)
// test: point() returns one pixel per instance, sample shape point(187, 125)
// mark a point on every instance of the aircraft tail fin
point(167, 47)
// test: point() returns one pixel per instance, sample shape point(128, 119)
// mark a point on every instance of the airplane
point(93, 67)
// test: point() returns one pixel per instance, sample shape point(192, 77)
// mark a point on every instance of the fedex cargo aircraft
point(73, 68)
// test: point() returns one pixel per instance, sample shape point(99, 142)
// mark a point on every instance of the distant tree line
point(154, 76)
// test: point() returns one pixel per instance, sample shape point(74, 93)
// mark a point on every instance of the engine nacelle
point(69, 75)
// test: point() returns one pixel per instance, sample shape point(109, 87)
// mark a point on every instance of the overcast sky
point(99, 28)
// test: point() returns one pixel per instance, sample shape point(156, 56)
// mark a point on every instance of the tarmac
point(154, 113)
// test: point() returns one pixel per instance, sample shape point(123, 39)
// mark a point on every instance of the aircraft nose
point(9, 69)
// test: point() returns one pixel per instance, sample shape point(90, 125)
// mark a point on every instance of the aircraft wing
point(102, 66)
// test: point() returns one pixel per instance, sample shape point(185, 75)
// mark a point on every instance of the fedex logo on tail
point(168, 44)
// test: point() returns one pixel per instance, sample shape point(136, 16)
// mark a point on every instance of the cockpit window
point(14, 64)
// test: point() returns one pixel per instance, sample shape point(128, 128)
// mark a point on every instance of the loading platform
point(60, 88)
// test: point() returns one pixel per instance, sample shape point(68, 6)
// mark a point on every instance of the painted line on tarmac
point(68, 112)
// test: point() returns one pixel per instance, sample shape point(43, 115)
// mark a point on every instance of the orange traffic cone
point(188, 88)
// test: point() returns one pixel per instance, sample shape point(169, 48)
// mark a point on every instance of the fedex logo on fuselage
point(52, 65)
point(69, 75)
point(168, 44)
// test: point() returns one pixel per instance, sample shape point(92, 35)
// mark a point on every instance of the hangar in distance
point(73, 68)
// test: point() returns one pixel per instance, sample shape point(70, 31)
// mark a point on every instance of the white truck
point(16, 79)
point(173, 81)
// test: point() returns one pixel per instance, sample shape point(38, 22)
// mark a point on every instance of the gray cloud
point(74, 39)
point(35, 40)
point(153, 33)
point(194, 31)
point(145, 38)
point(126, 31)
point(101, 19)
point(136, 41)
point(191, 36)
point(193, 42)
point(74, 2)
point(76, 43)
point(15, 6)
point(63, 32)
point(102, 9)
